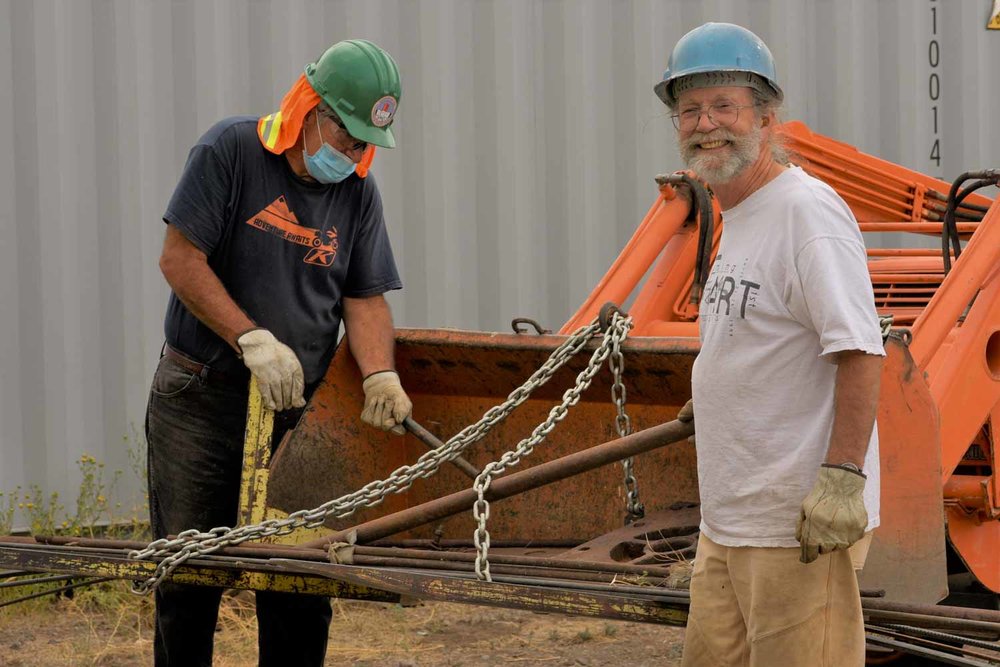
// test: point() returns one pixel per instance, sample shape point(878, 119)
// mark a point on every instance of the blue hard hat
point(719, 48)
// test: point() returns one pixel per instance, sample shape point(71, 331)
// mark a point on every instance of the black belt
point(203, 370)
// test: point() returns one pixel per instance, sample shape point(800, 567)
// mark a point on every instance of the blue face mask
point(327, 165)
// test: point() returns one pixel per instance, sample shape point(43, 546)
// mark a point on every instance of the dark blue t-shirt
point(287, 250)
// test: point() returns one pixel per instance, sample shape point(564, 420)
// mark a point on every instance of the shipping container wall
point(528, 135)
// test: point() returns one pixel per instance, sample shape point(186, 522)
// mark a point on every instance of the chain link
point(193, 543)
point(623, 424)
point(616, 332)
point(885, 324)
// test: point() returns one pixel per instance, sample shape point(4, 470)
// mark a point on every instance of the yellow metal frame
point(253, 508)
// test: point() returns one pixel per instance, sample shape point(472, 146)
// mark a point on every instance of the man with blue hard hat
point(786, 383)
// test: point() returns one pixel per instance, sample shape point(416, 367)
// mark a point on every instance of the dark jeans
point(195, 432)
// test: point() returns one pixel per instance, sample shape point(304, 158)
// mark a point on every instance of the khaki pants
point(761, 607)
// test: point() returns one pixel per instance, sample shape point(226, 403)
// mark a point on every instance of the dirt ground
point(64, 632)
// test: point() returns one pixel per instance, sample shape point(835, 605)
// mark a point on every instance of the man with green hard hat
point(275, 234)
point(786, 383)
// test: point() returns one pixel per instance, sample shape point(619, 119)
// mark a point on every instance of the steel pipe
point(519, 482)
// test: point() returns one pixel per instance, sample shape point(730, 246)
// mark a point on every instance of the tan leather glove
point(386, 404)
point(833, 515)
point(277, 369)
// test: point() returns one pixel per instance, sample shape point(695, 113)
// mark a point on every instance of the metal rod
point(933, 621)
point(511, 559)
point(429, 439)
point(913, 649)
point(57, 590)
point(434, 544)
point(964, 613)
point(944, 636)
point(554, 573)
point(652, 593)
point(519, 482)
point(37, 580)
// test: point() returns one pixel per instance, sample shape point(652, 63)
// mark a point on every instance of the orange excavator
point(939, 405)
point(520, 500)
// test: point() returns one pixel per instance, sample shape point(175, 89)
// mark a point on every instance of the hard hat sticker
point(383, 111)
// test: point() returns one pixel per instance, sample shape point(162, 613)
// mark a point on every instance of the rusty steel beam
point(515, 483)
point(510, 596)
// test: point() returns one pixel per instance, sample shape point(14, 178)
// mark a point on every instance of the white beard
point(742, 152)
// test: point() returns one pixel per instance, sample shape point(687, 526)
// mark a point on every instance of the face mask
point(327, 165)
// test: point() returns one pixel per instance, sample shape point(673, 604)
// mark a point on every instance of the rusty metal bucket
point(453, 377)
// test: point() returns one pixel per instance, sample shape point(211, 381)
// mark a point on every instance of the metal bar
point(934, 621)
point(14, 573)
point(242, 573)
point(422, 543)
point(519, 482)
point(36, 580)
point(514, 570)
point(923, 652)
point(508, 595)
point(964, 613)
point(944, 636)
point(429, 439)
point(434, 544)
point(510, 559)
point(61, 589)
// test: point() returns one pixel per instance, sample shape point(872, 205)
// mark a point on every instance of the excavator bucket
point(936, 417)
point(453, 378)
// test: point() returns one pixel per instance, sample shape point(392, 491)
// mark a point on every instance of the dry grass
point(109, 627)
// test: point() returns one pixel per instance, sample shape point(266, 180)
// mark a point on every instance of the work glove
point(386, 404)
point(686, 414)
point(833, 515)
point(277, 369)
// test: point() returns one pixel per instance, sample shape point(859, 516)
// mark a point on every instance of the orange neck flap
point(280, 130)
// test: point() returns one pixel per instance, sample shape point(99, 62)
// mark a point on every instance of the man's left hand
point(386, 404)
point(833, 515)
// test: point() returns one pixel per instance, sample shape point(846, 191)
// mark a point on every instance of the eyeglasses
point(720, 115)
point(357, 145)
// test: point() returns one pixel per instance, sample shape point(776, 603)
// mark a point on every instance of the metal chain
point(616, 332)
point(623, 424)
point(193, 543)
point(885, 324)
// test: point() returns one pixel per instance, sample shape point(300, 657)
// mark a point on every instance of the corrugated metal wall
point(528, 135)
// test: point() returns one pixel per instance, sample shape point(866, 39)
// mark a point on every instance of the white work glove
point(386, 404)
point(277, 369)
point(833, 515)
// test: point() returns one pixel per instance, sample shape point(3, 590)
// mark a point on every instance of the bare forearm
point(370, 333)
point(200, 290)
point(855, 404)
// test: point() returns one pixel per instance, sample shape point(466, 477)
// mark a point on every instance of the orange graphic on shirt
point(277, 219)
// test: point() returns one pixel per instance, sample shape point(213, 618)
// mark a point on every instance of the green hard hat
point(360, 82)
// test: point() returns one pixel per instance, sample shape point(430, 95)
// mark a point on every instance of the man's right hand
point(277, 369)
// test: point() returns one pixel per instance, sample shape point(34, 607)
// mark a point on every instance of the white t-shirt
point(790, 286)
